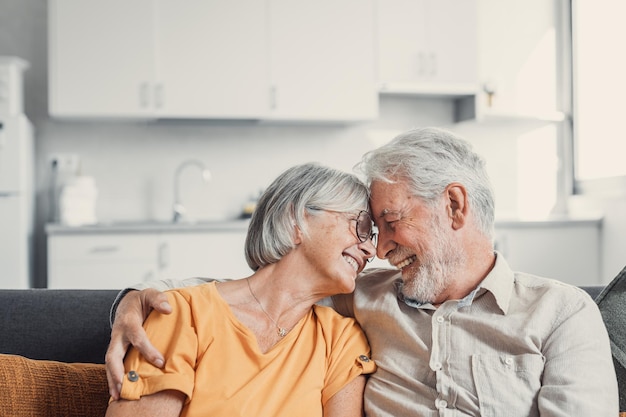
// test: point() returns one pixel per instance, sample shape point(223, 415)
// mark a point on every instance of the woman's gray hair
point(304, 188)
point(431, 159)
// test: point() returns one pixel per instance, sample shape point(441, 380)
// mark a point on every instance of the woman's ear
point(457, 204)
point(298, 234)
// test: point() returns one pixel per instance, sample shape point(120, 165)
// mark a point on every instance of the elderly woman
point(275, 352)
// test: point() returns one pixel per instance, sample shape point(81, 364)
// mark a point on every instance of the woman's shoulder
point(328, 319)
point(196, 294)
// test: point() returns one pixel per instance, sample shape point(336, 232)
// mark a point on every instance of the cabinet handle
point(433, 64)
point(104, 249)
point(421, 64)
point(273, 97)
point(158, 95)
point(164, 256)
point(144, 95)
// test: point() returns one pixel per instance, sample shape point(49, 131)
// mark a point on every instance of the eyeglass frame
point(371, 234)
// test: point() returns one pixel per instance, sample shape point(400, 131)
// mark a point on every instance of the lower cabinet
point(118, 260)
point(217, 254)
point(566, 251)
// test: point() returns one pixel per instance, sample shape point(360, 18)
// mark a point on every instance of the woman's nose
point(368, 248)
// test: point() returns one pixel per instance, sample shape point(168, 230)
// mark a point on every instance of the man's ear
point(457, 204)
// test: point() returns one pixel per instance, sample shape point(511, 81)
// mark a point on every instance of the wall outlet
point(66, 163)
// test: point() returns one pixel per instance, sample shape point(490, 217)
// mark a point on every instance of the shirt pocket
point(507, 385)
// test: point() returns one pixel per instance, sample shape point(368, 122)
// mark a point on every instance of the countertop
point(237, 225)
point(241, 225)
point(560, 220)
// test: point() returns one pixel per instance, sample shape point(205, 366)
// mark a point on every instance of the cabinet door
point(218, 254)
point(212, 58)
point(322, 59)
point(101, 57)
point(112, 261)
point(452, 40)
point(427, 46)
point(568, 253)
point(518, 60)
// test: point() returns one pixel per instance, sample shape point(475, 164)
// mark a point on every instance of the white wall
point(134, 162)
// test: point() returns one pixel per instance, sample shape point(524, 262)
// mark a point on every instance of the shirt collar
point(499, 282)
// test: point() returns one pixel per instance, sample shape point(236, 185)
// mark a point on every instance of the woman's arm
point(127, 330)
point(162, 404)
point(348, 402)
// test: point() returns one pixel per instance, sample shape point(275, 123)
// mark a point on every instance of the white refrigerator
point(16, 202)
point(16, 180)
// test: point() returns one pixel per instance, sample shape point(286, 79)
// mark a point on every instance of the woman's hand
point(128, 330)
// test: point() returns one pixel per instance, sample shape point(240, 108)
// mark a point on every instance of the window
point(599, 95)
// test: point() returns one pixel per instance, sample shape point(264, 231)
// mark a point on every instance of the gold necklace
point(280, 330)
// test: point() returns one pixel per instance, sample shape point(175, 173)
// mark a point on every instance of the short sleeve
point(174, 335)
point(349, 356)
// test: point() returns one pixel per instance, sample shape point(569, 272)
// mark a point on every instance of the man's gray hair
point(430, 159)
point(281, 208)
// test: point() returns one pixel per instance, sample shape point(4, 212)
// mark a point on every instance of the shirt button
point(509, 361)
point(441, 404)
point(440, 319)
point(437, 366)
point(132, 376)
point(364, 358)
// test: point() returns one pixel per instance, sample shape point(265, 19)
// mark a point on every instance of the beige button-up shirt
point(519, 345)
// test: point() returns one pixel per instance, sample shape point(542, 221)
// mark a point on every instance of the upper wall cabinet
point(427, 47)
point(101, 58)
point(322, 59)
point(239, 59)
point(519, 62)
point(158, 58)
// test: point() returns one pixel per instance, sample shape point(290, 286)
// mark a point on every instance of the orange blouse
point(214, 359)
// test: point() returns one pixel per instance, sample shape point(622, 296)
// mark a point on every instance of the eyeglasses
point(365, 227)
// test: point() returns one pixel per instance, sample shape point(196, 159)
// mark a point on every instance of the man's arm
point(579, 377)
point(163, 285)
point(129, 310)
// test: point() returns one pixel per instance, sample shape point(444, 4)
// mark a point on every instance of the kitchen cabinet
point(224, 59)
point(519, 62)
point(568, 251)
point(322, 60)
point(427, 47)
point(101, 58)
point(107, 258)
point(218, 254)
point(109, 261)
point(158, 58)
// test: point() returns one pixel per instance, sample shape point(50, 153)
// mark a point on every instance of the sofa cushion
point(611, 302)
point(48, 388)
point(59, 325)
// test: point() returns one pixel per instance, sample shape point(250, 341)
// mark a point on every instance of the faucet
point(179, 209)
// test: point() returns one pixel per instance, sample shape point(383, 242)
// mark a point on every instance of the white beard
point(437, 267)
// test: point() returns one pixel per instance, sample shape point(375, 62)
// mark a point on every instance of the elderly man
point(453, 330)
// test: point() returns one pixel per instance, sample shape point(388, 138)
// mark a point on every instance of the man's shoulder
point(547, 288)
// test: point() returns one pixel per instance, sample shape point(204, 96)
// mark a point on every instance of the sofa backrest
point(60, 325)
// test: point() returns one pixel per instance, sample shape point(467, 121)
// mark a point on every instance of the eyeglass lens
point(364, 226)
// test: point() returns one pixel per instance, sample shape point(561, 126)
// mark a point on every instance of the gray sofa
point(52, 346)
point(38, 326)
point(60, 325)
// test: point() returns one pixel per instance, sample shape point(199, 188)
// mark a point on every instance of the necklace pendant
point(282, 331)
